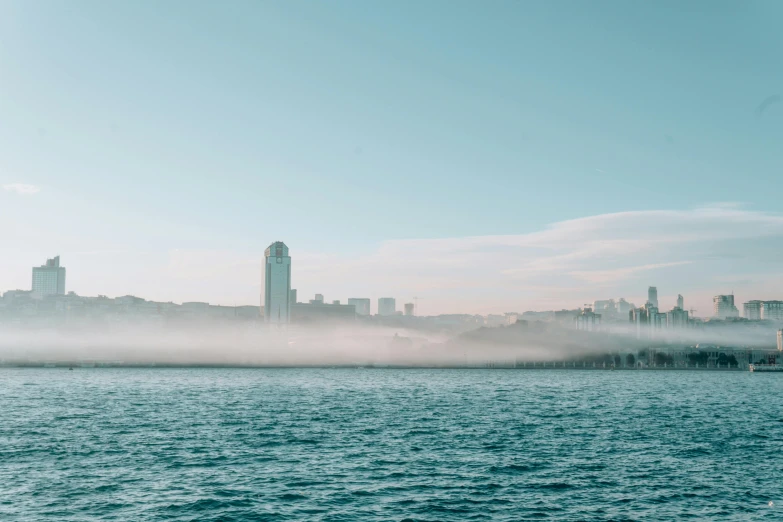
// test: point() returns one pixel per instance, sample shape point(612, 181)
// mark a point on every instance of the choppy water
point(311, 444)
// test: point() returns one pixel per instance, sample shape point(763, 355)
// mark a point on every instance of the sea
point(370, 444)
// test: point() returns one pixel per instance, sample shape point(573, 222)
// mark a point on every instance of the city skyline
point(278, 298)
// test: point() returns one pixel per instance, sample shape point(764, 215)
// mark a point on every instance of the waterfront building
point(623, 306)
point(277, 287)
point(49, 279)
point(320, 312)
point(772, 310)
point(387, 306)
point(604, 306)
point(361, 304)
point(751, 310)
point(723, 306)
point(677, 318)
point(588, 320)
point(652, 296)
point(409, 310)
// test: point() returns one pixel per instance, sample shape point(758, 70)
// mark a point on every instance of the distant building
point(680, 302)
point(604, 306)
point(320, 312)
point(387, 306)
point(277, 288)
point(362, 305)
point(49, 279)
point(336, 302)
point(780, 340)
point(588, 320)
point(723, 306)
point(319, 298)
point(677, 318)
point(623, 306)
point(293, 296)
point(772, 310)
point(409, 310)
point(752, 310)
point(652, 296)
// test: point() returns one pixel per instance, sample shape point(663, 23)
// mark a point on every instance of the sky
point(485, 157)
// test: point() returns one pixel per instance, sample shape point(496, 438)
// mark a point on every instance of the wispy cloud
point(23, 189)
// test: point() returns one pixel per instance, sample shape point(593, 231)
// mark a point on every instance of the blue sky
point(169, 142)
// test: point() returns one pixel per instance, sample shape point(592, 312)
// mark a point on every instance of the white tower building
point(277, 284)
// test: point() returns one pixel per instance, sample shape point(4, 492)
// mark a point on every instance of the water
point(340, 444)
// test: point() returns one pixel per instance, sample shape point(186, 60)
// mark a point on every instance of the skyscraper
point(387, 306)
point(680, 301)
point(49, 279)
point(652, 296)
point(277, 288)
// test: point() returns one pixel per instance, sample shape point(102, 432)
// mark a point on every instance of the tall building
point(680, 302)
point(49, 279)
point(277, 288)
point(772, 310)
point(723, 306)
point(362, 305)
point(752, 310)
point(677, 318)
point(652, 296)
point(409, 309)
point(293, 296)
point(387, 306)
point(587, 320)
point(780, 340)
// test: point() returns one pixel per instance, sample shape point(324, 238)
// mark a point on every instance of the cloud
point(576, 261)
point(22, 188)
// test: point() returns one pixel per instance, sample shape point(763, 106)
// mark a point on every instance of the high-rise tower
point(49, 279)
point(652, 296)
point(277, 284)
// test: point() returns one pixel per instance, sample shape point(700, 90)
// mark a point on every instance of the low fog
point(206, 344)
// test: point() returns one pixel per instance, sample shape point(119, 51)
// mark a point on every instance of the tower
point(652, 296)
point(277, 284)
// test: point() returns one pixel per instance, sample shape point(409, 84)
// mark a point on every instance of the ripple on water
point(406, 445)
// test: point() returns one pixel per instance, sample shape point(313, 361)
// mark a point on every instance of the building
point(752, 310)
point(361, 304)
point(49, 279)
point(680, 302)
point(772, 310)
point(277, 287)
point(588, 320)
point(387, 306)
point(320, 312)
point(319, 298)
point(723, 306)
point(780, 340)
point(677, 318)
point(623, 306)
point(652, 296)
point(293, 296)
point(605, 306)
point(409, 309)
